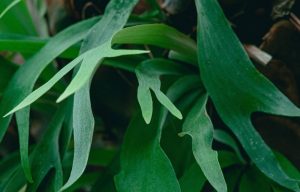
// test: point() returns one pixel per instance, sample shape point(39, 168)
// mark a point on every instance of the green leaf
point(38, 10)
point(183, 92)
point(15, 182)
point(148, 74)
point(19, 87)
point(141, 34)
point(237, 89)
point(16, 19)
point(223, 137)
point(141, 148)
point(140, 153)
point(46, 155)
point(182, 86)
point(85, 180)
point(7, 69)
point(24, 79)
point(144, 165)
point(10, 6)
point(199, 126)
point(89, 59)
point(159, 35)
point(193, 179)
point(253, 180)
point(47, 86)
point(8, 166)
point(30, 45)
point(233, 177)
point(114, 19)
point(90, 64)
point(22, 119)
point(287, 166)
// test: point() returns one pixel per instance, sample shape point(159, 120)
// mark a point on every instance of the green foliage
point(10, 6)
point(238, 89)
point(154, 155)
point(148, 74)
point(199, 126)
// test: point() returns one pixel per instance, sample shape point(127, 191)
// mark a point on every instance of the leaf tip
point(180, 116)
point(147, 120)
point(147, 116)
point(177, 114)
point(8, 114)
point(63, 97)
point(60, 99)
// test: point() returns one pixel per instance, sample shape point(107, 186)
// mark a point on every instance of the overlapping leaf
point(253, 180)
point(149, 79)
point(184, 85)
point(19, 87)
point(52, 82)
point(199, 126)
point(194, 180)
point(238, 89)
point(169, 38)
point(144, 165)
point(31, 45)
point(114, 19)
point(141, 148)
point(162, 36)
point(223, 137)
point(290, 169)
point(45, 156)
point(89, 60)
point(183, 92)
point(90, 64)
point(8, 166)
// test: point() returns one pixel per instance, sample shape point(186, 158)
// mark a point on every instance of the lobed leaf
point(114, 19)
point(144, 165)
point(159, 35)
point(141, 34)
point(199, 126)
point(141, 148)
point(90, 64)
point(19, 87)
point(148, 74)
point(182, 86)
point(89, 61)
point(237, 89)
